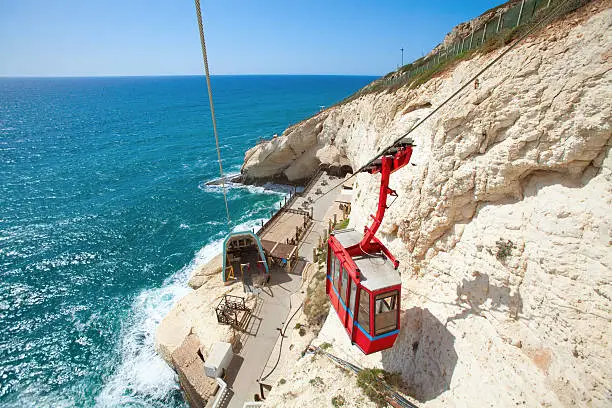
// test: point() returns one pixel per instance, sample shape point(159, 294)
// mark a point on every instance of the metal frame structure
point(228, 308)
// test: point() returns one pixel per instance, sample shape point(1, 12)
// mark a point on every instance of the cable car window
point(385, 318)
point(353, 296)
point(336, 277)
point(344, 287)
point(364, 310)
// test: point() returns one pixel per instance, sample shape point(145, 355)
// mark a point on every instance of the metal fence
point(501, 24)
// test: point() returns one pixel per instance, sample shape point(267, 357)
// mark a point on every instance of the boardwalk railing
point(298, 212)
point(288, 203)
point(221, 397)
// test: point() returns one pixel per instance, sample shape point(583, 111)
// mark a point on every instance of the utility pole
point(402, 50)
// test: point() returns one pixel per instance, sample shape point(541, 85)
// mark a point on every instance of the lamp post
point(402, 50)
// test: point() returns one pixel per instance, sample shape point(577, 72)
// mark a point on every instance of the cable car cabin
point(365, 291)
point(363, 283)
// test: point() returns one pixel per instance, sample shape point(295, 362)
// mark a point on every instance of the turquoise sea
point(104, 214)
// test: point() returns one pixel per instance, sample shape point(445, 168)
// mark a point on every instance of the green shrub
point(504, 249)
point(342, 224)
point(438, 68)
point(338, 401)
point(316, 382)
point(316, 303)
point(370, 380)
point(501, 39)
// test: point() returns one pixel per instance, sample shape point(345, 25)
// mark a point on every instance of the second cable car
point(363, 283)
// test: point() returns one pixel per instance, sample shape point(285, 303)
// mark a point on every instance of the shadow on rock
point(424, 355)
point(478, 295)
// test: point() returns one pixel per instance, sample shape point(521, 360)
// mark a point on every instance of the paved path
point(261, 334)
point(261, 337)
point(323, 210)
point(273, 370)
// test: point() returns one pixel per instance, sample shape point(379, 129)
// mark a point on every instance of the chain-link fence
point(504, 25)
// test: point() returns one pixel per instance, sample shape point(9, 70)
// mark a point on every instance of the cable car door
point(351, 306)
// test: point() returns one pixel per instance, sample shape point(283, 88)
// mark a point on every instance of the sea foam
point(142, 376)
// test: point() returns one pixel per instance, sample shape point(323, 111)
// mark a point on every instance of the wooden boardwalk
point(257, 345)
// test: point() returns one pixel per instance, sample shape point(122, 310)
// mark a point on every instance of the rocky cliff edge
point(503, 228)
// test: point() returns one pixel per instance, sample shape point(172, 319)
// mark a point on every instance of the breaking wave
point(143, 377)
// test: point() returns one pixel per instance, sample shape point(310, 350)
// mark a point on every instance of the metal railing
point(221, 394)
point(392, 396)
point(288, 203)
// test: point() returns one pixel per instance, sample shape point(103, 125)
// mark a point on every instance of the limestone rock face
point(208, 271)
point(503, 228)
point(331, 138)
point(294, 155)
point(195, 314)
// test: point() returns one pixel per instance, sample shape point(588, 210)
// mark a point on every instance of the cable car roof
point(377, 272)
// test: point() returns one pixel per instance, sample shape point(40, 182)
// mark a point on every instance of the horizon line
point(173, 75)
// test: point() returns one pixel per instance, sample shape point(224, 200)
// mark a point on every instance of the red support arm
point(388, 165)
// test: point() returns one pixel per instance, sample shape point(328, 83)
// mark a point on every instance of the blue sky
point(155, 37)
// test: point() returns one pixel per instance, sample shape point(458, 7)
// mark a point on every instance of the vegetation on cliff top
point(402, 77)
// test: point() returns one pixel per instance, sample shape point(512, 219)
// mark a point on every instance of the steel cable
point(212, 110)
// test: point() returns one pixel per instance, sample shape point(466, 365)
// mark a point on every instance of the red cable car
point(363, 283)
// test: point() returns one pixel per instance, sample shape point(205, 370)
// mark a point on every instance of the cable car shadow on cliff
point(424, 355)
point(479, 295)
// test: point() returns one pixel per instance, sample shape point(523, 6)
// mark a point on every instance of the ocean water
point(104, 214)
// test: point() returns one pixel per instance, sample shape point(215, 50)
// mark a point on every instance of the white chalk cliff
point(503, 228)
